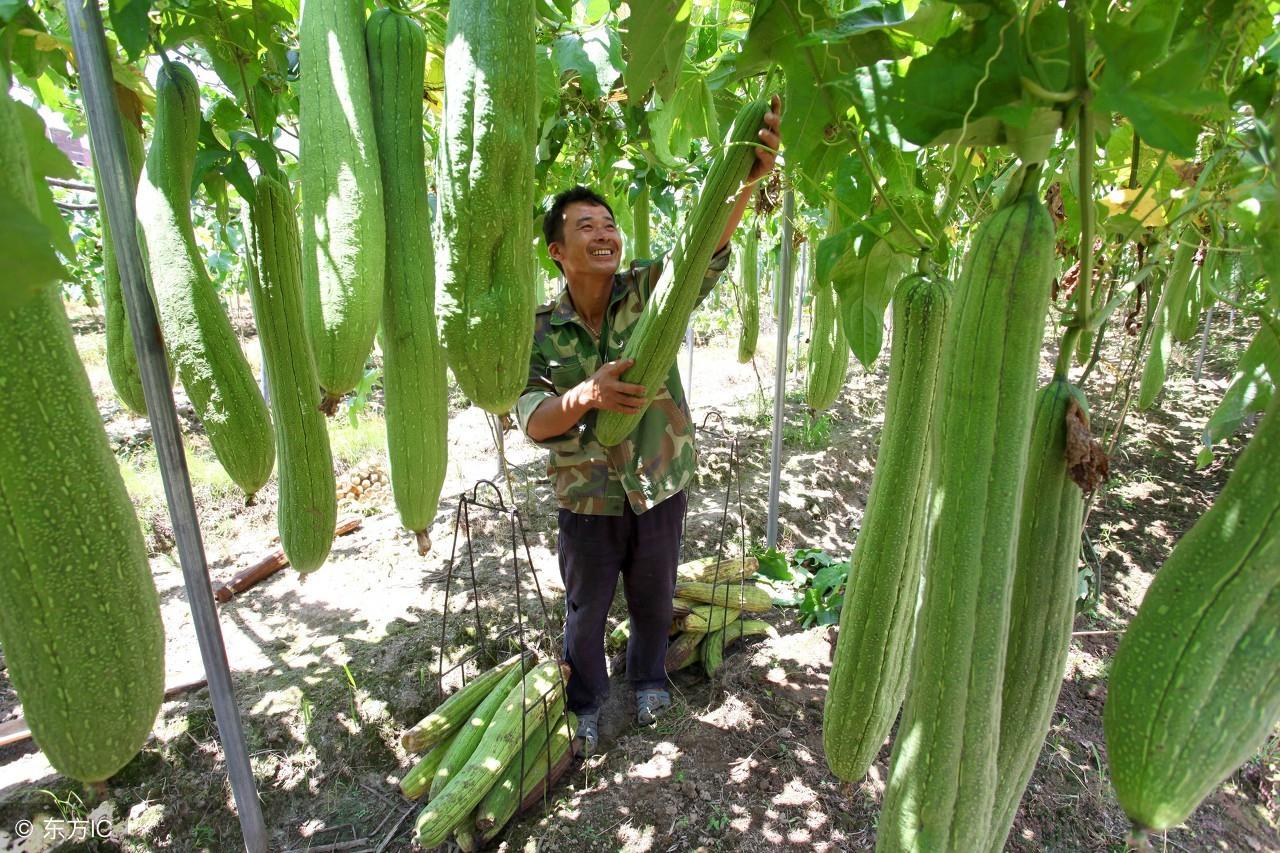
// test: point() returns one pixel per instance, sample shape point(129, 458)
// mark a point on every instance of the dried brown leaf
point(1087, 463)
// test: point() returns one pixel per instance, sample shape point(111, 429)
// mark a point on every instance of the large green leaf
point(1134, 41)
point(1163, 93)
point(9, 8)
point(820, 55)
point(863, 294)
point(130, 24)
point(47, 161)
point(547, 84)
point(30, 262)
point(1251, 388)
point(962, 80)
point(689, 115)
point(595, 55)
point(654, 40)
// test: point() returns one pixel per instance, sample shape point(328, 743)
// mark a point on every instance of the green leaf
point(47, 160)
point(1158, 124)
point(1082, 583)
point(53, 220)
point(1165, 100)
point(1251, 388)
point(1137, 41)
point(595, 56)
point(773, 564)
point(237, 174)
point(865, 18)
point(264, 153)
point(864, 295)
point(930, 22)
point(655, 38)
point(547, 82)
point(689, 116)
point(1047, 42)
point(9, 8)
point(830, 577)
point(706, 40)
point(226, 114)
point(30, 261)
point(820, 74)
point(961, 80)
point(831, 250)
point(130, 24)
point(900, 183)
point(830, 614)
point(596, 9)
point(853, 187)
point(1257, 89)
point(816, 556)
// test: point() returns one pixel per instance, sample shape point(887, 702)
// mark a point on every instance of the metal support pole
point(107, 138)
point(803, 270)
point(688, 373)
point(780, 368)
point(1204, 341)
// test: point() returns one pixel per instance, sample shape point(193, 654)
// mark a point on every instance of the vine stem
point(861, 151)
point(244, 82)
point(1085, 152)
point(958, 176)
point(1048, 94)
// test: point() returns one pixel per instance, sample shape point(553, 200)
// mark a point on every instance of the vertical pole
point(801, 270)
point(116, 201)
point(1204, 341)
point(780, 367)
point(688, 373)
point(803, 275)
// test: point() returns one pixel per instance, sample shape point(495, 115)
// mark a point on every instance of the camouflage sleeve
point(537, 388)
point(649, 274)
point(715, 269)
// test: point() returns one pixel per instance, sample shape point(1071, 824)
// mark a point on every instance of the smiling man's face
point(592, 245)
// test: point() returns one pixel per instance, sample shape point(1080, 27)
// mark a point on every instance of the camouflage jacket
point(658, 459)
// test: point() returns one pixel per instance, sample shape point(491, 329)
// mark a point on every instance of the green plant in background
point(810, 580)
point(358, 400)
point(69, 805)
point(812, 433)
point(306, 710)
point(355, 694)
point(202, 835)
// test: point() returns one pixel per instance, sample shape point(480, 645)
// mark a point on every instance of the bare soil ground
point(328, 670)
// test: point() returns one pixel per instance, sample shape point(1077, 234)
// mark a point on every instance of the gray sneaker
point(649, 703)
point(589, 733)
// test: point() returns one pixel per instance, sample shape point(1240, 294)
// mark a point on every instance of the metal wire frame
point(735, 479)
point(733, 482)
point(541, 704)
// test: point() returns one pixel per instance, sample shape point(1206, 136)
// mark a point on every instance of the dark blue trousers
point(594, 550)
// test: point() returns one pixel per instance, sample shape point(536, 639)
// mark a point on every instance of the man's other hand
point(770, 139)
point(606, 390)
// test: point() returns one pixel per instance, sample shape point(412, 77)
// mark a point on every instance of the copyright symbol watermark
point(23, 828)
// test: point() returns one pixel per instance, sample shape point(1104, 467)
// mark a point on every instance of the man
point(621, 508)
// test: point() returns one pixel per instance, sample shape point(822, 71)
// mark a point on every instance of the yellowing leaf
point(1147, 211)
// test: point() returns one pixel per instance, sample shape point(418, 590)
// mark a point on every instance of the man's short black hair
point(553, 222)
